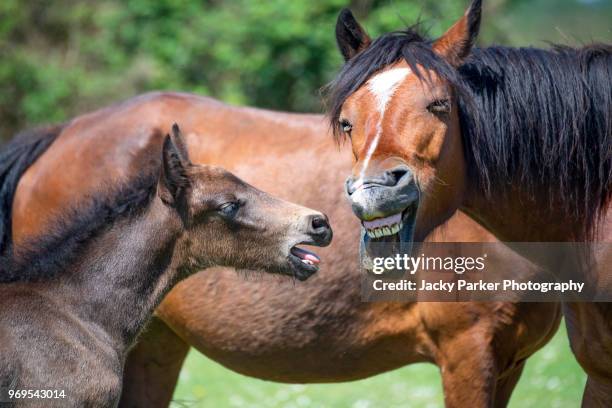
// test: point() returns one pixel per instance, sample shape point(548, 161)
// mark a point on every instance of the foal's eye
point(439, 106)
point(346, 126)
point(228, 209)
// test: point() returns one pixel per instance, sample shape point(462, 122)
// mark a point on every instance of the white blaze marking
point(383, 86)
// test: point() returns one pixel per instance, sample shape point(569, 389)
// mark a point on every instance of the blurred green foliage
point(63, 57)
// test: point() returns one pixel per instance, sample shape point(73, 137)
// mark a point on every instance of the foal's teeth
point(307, 262)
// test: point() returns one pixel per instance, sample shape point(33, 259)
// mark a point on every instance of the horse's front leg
point(468, 369)
point(597, 394)
point(506, 384)
point(590, 334)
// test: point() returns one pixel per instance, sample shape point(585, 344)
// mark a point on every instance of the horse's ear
point(174, 179)
point(351, 37)
point(455, 45)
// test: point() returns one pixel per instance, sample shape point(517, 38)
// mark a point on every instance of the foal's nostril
point(319, 229)
point(318, 222)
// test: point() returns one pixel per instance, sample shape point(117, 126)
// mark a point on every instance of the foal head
point(401, 118)
point(221, 220)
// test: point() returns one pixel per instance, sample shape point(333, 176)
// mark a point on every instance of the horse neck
point(551, 166)
point(517, 216)
point(122, 277)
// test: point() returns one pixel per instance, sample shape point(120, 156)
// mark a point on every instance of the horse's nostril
point(397, 174)
point(350, 185)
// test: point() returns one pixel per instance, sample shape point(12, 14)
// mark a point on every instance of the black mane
point(68, 238)
point(16, 156)
point(541, 119)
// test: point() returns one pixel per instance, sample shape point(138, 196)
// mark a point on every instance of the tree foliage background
point(60, 58)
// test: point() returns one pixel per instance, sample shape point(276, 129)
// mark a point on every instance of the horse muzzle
point(387, 205)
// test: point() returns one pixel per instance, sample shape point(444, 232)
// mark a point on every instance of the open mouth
point(390, 235)
point(305, 263)
point(384, 227)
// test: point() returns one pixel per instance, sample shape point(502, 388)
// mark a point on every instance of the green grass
point(552, 378)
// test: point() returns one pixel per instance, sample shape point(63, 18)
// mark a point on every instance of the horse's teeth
point(384, 231)
point(307, 261)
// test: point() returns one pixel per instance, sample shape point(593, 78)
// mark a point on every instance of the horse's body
point(518, 139)
point(73, 301)
point(316, 331)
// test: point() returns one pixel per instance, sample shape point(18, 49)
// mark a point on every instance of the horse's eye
point(229, 209)
point(346, 126)
point(439, 106)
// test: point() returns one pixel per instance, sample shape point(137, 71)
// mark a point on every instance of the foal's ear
point(455, 45)
point(179, 142)
point(351, 37)
point(173, 180)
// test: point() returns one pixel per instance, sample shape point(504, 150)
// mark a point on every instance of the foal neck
point(124, 275)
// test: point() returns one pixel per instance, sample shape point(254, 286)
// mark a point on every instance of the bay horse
point(73, 302)
point(520, 140)
point(315, 331)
